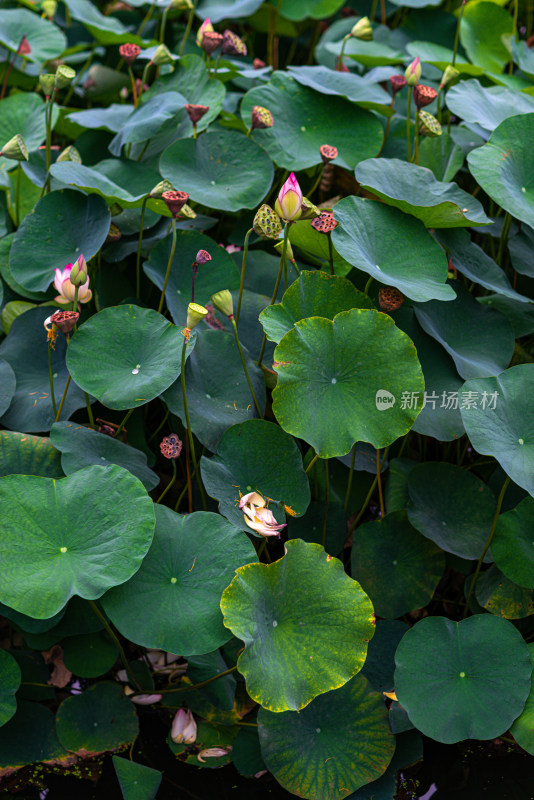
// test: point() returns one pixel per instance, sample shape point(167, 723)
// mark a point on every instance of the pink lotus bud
point(129, 52)
point(171, 446)
point(413, 72)
point(262, 521)
point(289, 201)
point(142, 699)
point(24, 48)
point(78, 273)
point(258, 63)
point(184, 727)
point(202, 257)
point(206, 27)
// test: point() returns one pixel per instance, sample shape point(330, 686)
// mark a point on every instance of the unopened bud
point(69, 154)
point(162, 55)
point(78, 273)
point(258, 64)
point(390, 298)
point(64, 76)
point(195, 314)
point(232, 45)
point(309, 210)
point(261, 118)
point(211, 41)
point(362, 30)
point(196, 112)
point(413, 72)
point(159, 188)
point(129, 52)
point(423, 95)
point(223, 302)
point(47, 82)
point(24, 48)
point(328, 153)
point(428, 124)
point(15, 149)
point(451, 74)
point(175, 201)
point(206, 27)
point(49, 8)
point(267, 223)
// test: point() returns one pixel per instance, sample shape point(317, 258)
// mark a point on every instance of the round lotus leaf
point(356, 368)
point(8, 384)
point(295, 617)
point(397, 567)
point(151, 120)
point(338, 743)
point(315, 249)
point(345, 84)
point(10, 678)
point(256, 456)
point(139, 354)
point(304, 120)
point(504, 165)
point(105, 29)
point(370, 237)
point(221, 169)
point(218, 394)
point(137, 781)
point(173, 601)
point(89, 655)
point(26, 350)
point(313, 294)
point(379, 665)
point(310, 527)
point(23, 114)
point(452, 507)
point(22, 454)
point(218, 10)
point(486, 105)
point(63, 225)
point(485, 33)
point(100, 718)
point(303, 9)
point(500, 596)
point(81, 535)
point(29, 624)
point(523, 728)
point(80, 447)
point(462, 680)
point(502, 423)
point(29, 737)
point(47, 41)
point(408, 750)
point(512, 545)
point(76, 618)
point(33, 671)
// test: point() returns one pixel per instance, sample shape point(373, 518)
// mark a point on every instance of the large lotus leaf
point(346, 367)
point(80, 447)
point(29, 736)
point(9, 683)
point(315, 248)
point(485, 30)
point(221, 169)
point(523, 728)
point(395, 565)
point(218, 394)
point(218, 10)
point(295, 617)
point(379, 666)
point(502, 421)
point(480, 340)
point(408, 750)
point(137, 781)
point(89, 655)
point(313, 294)
point(416, 191)
point(7, 276)
point(148, 120)
point(24, 114)
point(22, 454)
point(381, 51)
point(222, 691)
point(100, 718)
point(440, 57)
point(502, 597)
point(475, 264)
point(503, 167)
point(451, 506)
point(303, 9)
point(139, 353)
point(520, 248)
point(47, 41)
point(111, 118)
point(442, 155)
point(305, 119)
point(8, 384)
point(81, 535)
point(76, 618)
point(105, 29)
point(63, 224)
point(220, 273)
point(345, 84)
point(26, 350)
point(440, 416)
point(519, 314)
point(310, 527)
point(338, 743)
point(258, 456)
point(447, 670)
point(376, 239)
point(173, 601)
point(487, 105)
point(512, 546)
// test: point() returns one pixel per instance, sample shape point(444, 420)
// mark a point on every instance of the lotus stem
point(63, 396)
point(116, 641)
point(171, 256)
point(51, 377)
point(242, 280)
point(17, 200)
point(349, 482)
point(408, 122)
point(330, 253)
point(89, 410)
point(311, 464)
point(138, 262)
point(505, 230)
point(276, 286)
point(327, 500)
point(187, 29)
point(388, 124)
point(342, 51)
point(379, 483)
point(132, 81)
point(457, 35)
point(245, 370)
point(172, 480)
point(123, 423)
point(189, 431)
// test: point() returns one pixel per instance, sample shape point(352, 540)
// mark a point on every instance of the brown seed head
point(397, 82)
point(423, 95)
point(202, 257)
point(389, 298)
point(328, 153)
point(325, 223)
point(196, 112)
point(232, 45)
point(261, 118)
point(171, 446)
point(211, 41)
point(65, 320)
point(175, 201)
point(129, 52)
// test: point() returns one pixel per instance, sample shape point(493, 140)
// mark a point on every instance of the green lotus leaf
point(220, 692)
point(246, 753)
point(315, 248)
point(218, 10)
point(338, 743)
point(47, 41)
point(101, 718)
point(344, 84)
point(295, 617)
point(8, 384)
point(10, 678)
point(523, 728)
point(381, 51)
point(139, 355)
point(63, 225)
point(395, 565)
point(485, 30)
point(415, 191)
point(369, 237)
point(440, 57)
point(309, 528)
point(504, 165)
point(137, 781)
point(487, 106)
point(81, 535)
point(447, 670)
point(26, 350)
point(22, 454)
point(452, 507)
point(351, 366)
point(23, 114)
point(512, 546)
point(313, 294)
point(221, 169)
point(502, 597)
point(502, 422)
point(442, 155)
point(80, 447)
point(256, 456)
point(33, 670)
point(304, 120)
point(105, 29)
point(519, 314)
point(154, 117)
point(303, 9)
point(89, 655)
point(173, 600)
point(111, 118)
point(520, 248)
point(74, 619)
point(29, 737)
point(479, 340)
point(408, 750)
point(379, 665)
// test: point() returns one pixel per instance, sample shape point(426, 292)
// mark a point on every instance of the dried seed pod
point(423, 95)
point(328, 153)
point(232, 45)
point(325, 223)
point(211, 40)
point(175, 201)
point(389, 298)
point(171, 446)
point(129, 52)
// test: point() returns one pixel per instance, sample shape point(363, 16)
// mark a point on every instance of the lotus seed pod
point(309, 210)
point(181, 5)
point(195, 314)
point(397, 83)
point(206, 27)
point(171, 446)
point(258, 64)
point(362, 30)
point(325, 223)
point(328, 153)
point(196, 112)
point(64, 320)
point(159, 188)
point(64, 76)
point(187, 212)
point(423, 95)
point(267, 223)
point(129, 52)
point(162, 55)
point(389, 298)
point(15, 149)
point(202, 257)
point(428, 124)
point(261, 118)
point(223, 302)
point(232, 45)
point(451, 74)
point(47, 82)
point(175, 201)
point(211, 41)
point(70, 154)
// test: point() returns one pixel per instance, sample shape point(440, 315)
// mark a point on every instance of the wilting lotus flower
point(262, 521)
point(289, 201)
point(213, 752)
point(67, 289)
point(413, 72)
point(206, 27)
point(252, 499)
point(184, 727)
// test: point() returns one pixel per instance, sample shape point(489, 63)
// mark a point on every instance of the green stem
point(144, 78)
point(311, 464)
point(276, 286)
point(388, 124)
point(160, 426)
point(273, 22)
point(488, 543)
point(171, 256)
point(372, 13)
point(368, 286)
point(172, 480)
point(187, 29)
point(138, 262)
point(367, 499)
point(182, 493)
point(116, 641)
point(327, 500)
point(123, 423)
point(349, 482)
point(188, 427)
point(89, 411)
point(457, 35)
point(342, 51)
point(316, 182)
point(145, 19)
point(77, 79)
point(242, 280)
point(75, 301)
point(63, 396)
point(416, 139)
point(17, 201)
point(505, 230)
point(245, 370)
point(190, 687)
point(408, 123)
point(132, 81)
point(330, 253)
point(379, 483)
point(51, 377)
point(163, 24)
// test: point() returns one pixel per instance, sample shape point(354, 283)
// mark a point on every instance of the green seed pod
point(428, 124)
point(267, 223)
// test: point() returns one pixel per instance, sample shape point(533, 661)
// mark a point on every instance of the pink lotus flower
point(67, 289)
point(289, 202)
point(184, 727)
point(262, 521)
